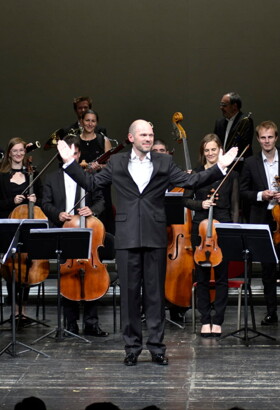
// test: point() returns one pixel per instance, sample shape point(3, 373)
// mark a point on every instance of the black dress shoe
point(73, 328)
point(130, 359)
point(95, 331)
point(160, 359)
point(270, 319)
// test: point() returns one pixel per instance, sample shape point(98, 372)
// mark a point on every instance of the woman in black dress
point(14, 179)
point(225, 209)
point(92, 146)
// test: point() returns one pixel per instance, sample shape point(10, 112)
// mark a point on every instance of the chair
point(107, 255)
point(235, 270)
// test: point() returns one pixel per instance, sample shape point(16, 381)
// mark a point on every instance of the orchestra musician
point(81, 105)
point(60, 194)
point(225, 209)
point(257, 188)
point(140, 178)
point(92, 146)
point(14, 179)
point(229, 128)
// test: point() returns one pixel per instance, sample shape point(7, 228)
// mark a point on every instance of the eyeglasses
point(223, 104)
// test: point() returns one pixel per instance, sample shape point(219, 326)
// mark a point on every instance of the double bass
point(85, 279)
point(180, 263)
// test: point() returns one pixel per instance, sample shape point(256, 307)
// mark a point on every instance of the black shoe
point(160, 358)
point(73, 328)
point(130, 359)
point(95, 331)
point(270, 319)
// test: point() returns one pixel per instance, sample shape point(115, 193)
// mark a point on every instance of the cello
point(36, 271)
point(180, 263)
point(85, 279)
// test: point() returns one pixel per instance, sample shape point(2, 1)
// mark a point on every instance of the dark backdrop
point(137, 59)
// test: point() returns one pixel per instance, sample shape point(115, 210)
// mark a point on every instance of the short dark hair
point(235, 99)
point(90, 112)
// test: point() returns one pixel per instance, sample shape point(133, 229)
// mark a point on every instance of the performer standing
point(229, 128)
point(92, 146)
point(60, 194)
point(141, 178)
point(257, 187)
point(225, 209)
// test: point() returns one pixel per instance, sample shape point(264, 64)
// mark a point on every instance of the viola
point(85, 279)
point(31, 272)
point(103, 158)
point(180, 263)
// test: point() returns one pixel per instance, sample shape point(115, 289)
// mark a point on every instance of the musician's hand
point(65, 151)
point(276, 196)
point(64, 216)
point(226, 159)
point(96, 166)
point(32, 198)
point(207, 203)
point(267, 195)
point(18, 199)
point(85, 211)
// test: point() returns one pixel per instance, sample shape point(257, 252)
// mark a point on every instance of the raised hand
point(66, 152)
point(226, 159)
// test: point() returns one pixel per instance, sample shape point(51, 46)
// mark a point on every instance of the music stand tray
point(58, 243)
point(248, 243)
point(13, 233)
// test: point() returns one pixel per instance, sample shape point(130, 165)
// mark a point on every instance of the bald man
point(140, 178)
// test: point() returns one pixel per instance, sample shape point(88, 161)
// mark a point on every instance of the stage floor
point(202, 373)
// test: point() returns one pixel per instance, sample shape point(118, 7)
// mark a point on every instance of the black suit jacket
point(140, 217)
point(54, 198)
point(253, 180)
point(239, 140)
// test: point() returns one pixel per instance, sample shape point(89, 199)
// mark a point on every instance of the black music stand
point(248, 243)
point(14, 231)
point(21, 248)
point(57, 243)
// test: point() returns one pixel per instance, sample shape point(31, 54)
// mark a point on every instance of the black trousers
point(269, 274)
point(71, 310)
point(142, 268)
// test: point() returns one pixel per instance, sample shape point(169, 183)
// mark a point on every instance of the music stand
point(12, 232)
point(248, 243)
point(57, 243)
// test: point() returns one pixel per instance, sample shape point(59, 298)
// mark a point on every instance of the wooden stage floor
point(202, 374)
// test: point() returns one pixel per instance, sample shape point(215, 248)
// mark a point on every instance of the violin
point(103, 158)
point(208, 254)
point(180, 263)
point(85, 279)
point(36, 271)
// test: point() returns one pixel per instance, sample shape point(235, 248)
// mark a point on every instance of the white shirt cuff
point(66, 164)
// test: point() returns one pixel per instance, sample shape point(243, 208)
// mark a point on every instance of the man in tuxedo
point(232, 129)
point(140, 178)
point(257, 186)
point(60, 194)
